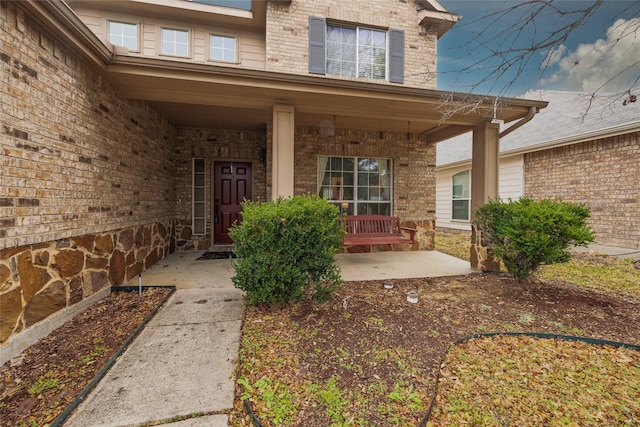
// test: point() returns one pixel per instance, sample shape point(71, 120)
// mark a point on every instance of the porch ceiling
point(196, 95)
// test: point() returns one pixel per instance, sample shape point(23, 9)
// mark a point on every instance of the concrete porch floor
point(183, 270)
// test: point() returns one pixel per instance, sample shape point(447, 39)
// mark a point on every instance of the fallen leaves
point(38, 385)
point(521, 380)
point(373, 361)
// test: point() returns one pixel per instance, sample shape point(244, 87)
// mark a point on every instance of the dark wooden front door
point(232, 184)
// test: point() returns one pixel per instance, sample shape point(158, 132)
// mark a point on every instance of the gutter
point(58, 17)
point(571, 140)
point(532, 112)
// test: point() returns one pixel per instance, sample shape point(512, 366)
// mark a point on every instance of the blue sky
point(237, 4)
point(601, 55)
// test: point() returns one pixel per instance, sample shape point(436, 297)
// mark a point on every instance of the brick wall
point(87, 193)
point(76, 159)
point(604, 174)
point(211, 145)
point(288, 38)
point(413, 169)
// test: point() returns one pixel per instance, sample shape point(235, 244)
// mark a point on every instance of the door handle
point(216, 209)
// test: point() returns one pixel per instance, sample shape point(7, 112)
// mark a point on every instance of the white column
point(283, 153)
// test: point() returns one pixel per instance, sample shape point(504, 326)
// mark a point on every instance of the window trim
point(178, 29)
point(468, 199)
point(137, 24)
point(236, 38)
point(357, 29)
point(194, 202)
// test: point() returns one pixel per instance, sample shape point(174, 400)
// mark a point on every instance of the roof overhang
point(562, 142)
point(219, 97)
point(199, 95)
point(433, 15)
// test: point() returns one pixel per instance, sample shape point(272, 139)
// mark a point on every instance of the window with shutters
point(355, 51)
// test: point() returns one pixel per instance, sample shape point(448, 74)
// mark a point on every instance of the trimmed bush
point(526, 233)
point(286, 249)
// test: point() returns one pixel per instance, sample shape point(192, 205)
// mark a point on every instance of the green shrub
point(286, 247)
point(527, 233)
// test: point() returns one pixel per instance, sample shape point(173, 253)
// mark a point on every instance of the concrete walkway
point(183, 362)
point(609, 251)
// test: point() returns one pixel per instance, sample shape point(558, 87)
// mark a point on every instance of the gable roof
point(563, 122)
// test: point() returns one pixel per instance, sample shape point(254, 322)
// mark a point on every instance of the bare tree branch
point(512, 49)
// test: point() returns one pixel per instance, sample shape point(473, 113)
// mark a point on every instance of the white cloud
point(609, 65)
point(554, 56)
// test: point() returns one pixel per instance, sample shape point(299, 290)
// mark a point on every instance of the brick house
point(133, 129)
point(579, 148)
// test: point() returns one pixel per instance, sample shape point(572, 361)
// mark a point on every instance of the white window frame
point(199, 197)
point(121, 22)
point(340, 185)
point(463, 197)
point(175, 44)
point(236, 43)
point(358, 60)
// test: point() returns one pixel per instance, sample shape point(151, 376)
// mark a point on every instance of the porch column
point(282, 156)
point(484, 186)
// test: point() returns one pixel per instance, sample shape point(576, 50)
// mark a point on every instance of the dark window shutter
point(317, 35)
point(396, 56)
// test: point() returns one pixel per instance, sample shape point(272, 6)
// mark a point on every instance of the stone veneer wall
point(212, 145)
point(84, 174)
point(288, 34)
point(604, 174)
point(44, 278)
point(413, 170)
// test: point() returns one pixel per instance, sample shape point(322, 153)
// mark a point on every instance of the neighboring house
point(579, 149)
point(131, 129)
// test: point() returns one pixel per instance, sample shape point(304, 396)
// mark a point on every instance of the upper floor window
point(355, 51)
point(175, 42)
point(461, 196)
point(223, 48)
point(123, 34)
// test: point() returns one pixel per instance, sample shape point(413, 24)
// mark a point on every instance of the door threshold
point(222, 248)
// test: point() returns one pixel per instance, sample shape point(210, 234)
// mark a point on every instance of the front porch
point(183, 270)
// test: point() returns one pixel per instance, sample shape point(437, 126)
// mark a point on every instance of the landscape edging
point(542, 335)
point(57, 422)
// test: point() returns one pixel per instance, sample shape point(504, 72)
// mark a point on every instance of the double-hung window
point(123, 34)
point(175, 42)
point(361, 183)
point(355, 51)
point(461, 196)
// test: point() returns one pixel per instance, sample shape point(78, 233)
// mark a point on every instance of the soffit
point(194, 95)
